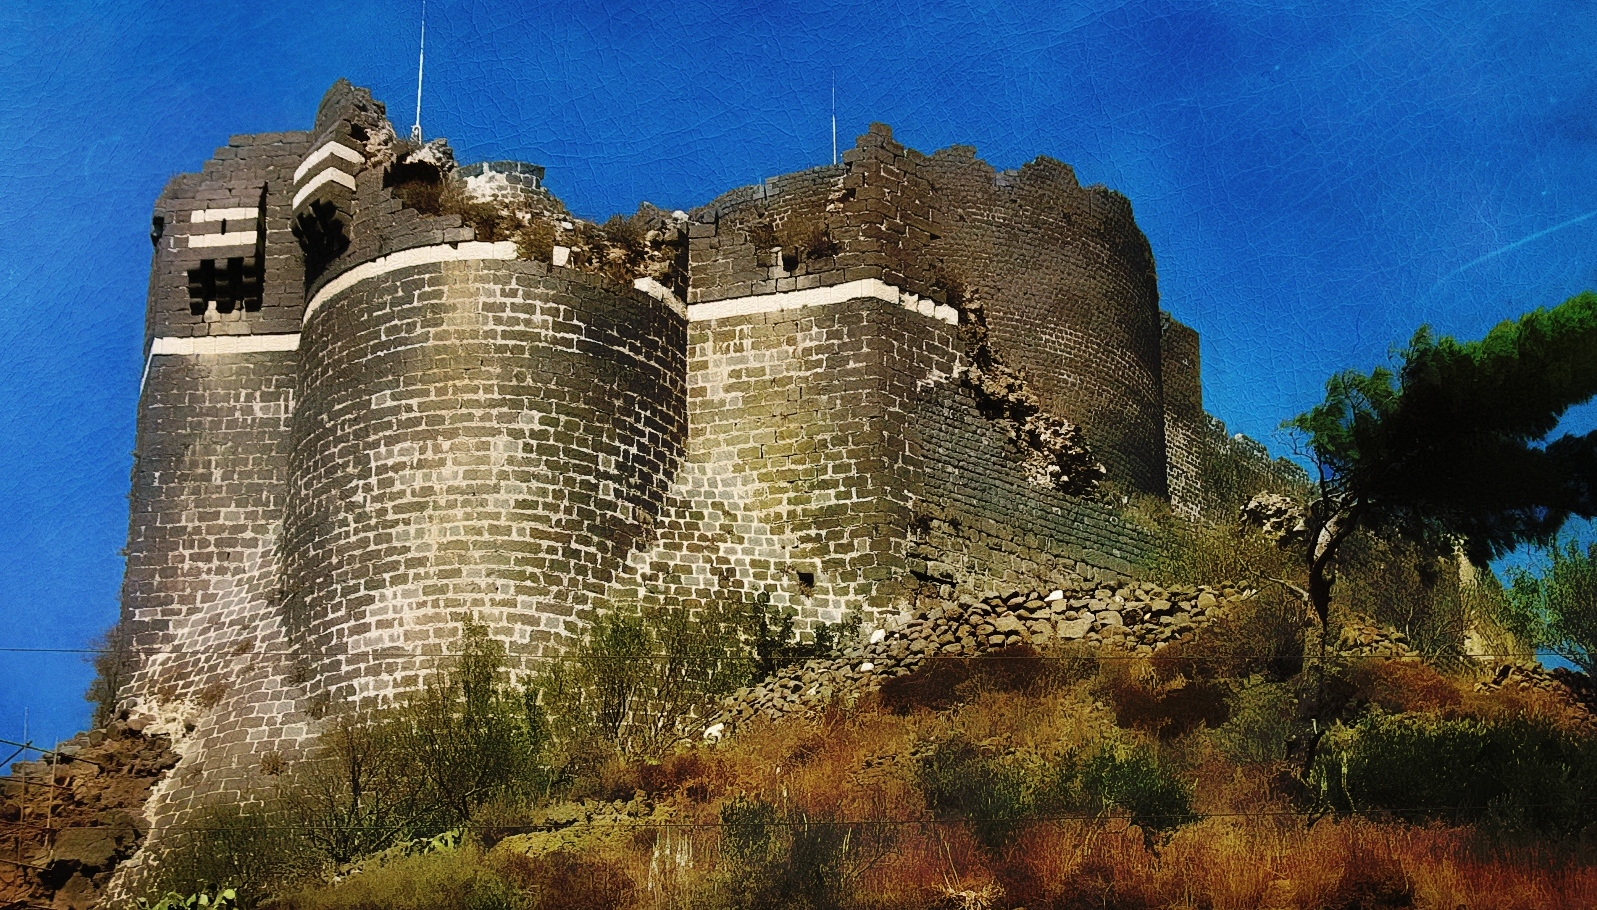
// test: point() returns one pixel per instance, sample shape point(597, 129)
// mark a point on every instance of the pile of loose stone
point(1576, 690)
point(71, 817)
point(1361, 638)
point(1131, 617)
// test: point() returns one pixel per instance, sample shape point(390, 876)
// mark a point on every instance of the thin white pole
point(421, 61)
point(834, 118)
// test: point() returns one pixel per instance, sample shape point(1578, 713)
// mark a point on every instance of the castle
point(862, 387)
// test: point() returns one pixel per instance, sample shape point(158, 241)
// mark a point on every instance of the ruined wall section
point(344, 197)
point(1066, 281)
point(768, 238)
point(1064, 278)
point(226, 262)
point(491, 437)
point(982, 526)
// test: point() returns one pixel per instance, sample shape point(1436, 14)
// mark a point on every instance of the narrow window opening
point(806, 582)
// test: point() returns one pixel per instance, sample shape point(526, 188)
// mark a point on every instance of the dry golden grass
point(1253, 849)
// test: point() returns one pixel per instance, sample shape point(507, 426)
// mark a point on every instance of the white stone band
point(422, 255)
point(331, 148)
point(332, 174)
point(823, 296)
point(224, 214)
point(225, 344)
point(218, 344)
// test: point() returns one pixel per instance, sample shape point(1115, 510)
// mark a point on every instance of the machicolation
point(384, 391)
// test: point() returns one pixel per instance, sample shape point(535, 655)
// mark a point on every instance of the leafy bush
point(992, 794)
point(473, 736)
point(468, 739)
point(1204, 554)
point(359, 792)
point(629, 686)
point(781, 860)
point(1122, 778)
point(1262, 722)
point(1557, 609)
point(1520, 771)
point(1411, 586)
point(222, 899)
point(249, 850)
point(452, 879)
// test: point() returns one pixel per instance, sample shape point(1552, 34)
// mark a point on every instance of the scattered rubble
point(1133, 617)
point(1576, 691)
point(1056, 452)
point(1279, 517)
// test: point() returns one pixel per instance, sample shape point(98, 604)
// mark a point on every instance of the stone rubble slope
point(72, 817)
point(1133, 617)
point(1130, 617)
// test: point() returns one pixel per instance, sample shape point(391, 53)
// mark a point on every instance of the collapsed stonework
point(383, 392)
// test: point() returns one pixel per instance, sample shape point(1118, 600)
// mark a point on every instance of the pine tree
point(1451, 446)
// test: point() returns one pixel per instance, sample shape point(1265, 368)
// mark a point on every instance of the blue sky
point(1316, 180)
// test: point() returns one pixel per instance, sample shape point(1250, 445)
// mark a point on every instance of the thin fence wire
point(994, 654)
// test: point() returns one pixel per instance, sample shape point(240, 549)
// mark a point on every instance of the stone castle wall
point(1211, 473)
point(482, 437)
point(1063, 276)
point(374, 423)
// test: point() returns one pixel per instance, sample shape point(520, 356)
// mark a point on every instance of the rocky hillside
point(68, 818)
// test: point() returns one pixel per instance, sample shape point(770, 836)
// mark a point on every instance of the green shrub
point(1557, 609)
point(1412, 587)
point(360, 791)
point(629, 687)
point(1263, 719)
point(1205, 554)
point(992, 795)
point(1123, 779)
point(473, 736)
point(780, 860)
point(1520, 771)
point(452, 879)
point(252, 851)
point(223, 899)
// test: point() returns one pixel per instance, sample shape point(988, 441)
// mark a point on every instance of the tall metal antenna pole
point(834, 118)
point(421, 61)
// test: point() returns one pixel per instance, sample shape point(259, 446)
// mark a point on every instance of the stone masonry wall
point(483, 436)
point(199, 595)
point(836, 463)
point(731, 239)
point(1211, 474)
point(1064, 276)
point(792, 483)
point(503, 437)
point(981, 526)
point(1067, 284)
